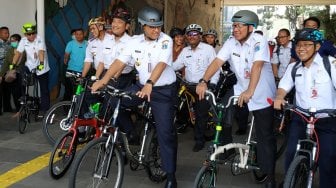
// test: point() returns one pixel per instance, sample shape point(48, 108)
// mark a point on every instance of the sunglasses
point(30, 34)
point(192, 34)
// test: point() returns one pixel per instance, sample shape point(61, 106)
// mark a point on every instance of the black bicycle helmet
point(122, 14)
point(247, 17)
point(150, 16)
point(308, 34)
point(175, 31)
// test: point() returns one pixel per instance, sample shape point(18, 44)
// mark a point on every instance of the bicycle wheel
point(61, 158)
point(153, 159)
point(23, 119)
point(55, 123)
point(90, 166)
point(206, 177)
point(298, 173)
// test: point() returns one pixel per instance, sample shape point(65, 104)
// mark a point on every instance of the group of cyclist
point(156, 56)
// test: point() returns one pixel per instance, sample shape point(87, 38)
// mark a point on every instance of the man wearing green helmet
point(36, 54)
point(249, 58)
point(314, 88)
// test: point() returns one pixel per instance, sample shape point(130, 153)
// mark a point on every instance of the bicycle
point(60, 116)
point(65, 148)
point(93, 165)
point(304, 165)
point(186, 101)
point(29, 103)
point(244, 161)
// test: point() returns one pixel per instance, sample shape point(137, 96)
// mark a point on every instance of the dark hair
point(17, 37)
point(76, 29)
point(4, 28)
point(285, 30)
point(313, 18)
point(175, 31)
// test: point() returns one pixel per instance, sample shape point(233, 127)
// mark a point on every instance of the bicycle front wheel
point(298, 173)
point(90, 168)
point(23, 120)
point(62, 156)
point(206, 177)
point(55, 122)
point(153, 159)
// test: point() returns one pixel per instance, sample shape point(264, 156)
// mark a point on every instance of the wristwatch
point(203, 81)
point(149, 81)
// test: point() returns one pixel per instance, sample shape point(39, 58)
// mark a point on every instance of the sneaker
point(41, 115)
point(198, 147)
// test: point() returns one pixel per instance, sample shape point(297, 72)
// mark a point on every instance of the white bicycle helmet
point(211, 32)
point(194, 27)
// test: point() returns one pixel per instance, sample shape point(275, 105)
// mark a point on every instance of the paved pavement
point(17, 149)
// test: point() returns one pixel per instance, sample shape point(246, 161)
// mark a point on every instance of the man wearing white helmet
point(249, 58)
point(196, 57)
point(151, 54)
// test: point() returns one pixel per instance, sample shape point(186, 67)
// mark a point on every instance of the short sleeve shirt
point(282, 59)
point(196, 62)
point(77, 55)
point(93, 50)
point(313, 85)
point(241, 58)
point(32, 49)
point(145, 55)
point(112, 49)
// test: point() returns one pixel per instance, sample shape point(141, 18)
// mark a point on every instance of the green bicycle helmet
point(28, 28)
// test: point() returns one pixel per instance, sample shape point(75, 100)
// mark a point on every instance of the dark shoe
point(40, 115)
point(270, 184)
point(228, 155)
point(240, 132)
point(171, 184)
point(281, 185)
point(198, 147)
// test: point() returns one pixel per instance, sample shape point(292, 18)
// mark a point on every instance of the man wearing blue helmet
point(315, 88)
point(249, 58)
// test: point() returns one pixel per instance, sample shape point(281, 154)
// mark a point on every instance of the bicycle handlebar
point(310, 111)
point(72, 74)
point(232, 100)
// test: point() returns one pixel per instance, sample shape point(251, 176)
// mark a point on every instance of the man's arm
point(16, 57)
point(279, 99)
point(100, 69)
point(86, 68)
point(66, 58)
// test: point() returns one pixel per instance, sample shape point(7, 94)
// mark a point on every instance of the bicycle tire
point(84, 172)
point(206, 177)
point(60, 159)
point(23, 120)
point(153, 158)
point(52, 121)
point(298, 170)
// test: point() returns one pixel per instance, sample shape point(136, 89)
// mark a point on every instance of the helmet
point(211, 32)
point(28, 28)
point(98, 20)
point(150, 16)
point(246, 16)
point(194, 27)
point(175, 31)
point(122, 14)
point(308, 34)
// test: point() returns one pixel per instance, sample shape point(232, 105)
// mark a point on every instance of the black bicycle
point(29, 102)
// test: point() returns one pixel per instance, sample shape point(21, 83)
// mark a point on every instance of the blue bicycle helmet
point(309, 34)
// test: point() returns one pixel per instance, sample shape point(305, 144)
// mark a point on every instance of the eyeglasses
point(30, 34)
point(238, 25)
point(192, 34)
point(304, 45)
point(281, 37)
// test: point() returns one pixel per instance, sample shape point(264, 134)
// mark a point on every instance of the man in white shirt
point(37, 58)
point(249, 58)
point(315, 88)
point(196, 58)
point(282, 53)
point(151, 54)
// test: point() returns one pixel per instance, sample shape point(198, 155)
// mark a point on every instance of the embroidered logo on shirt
point(188, 56)
point(164, 44)
point(257, 47)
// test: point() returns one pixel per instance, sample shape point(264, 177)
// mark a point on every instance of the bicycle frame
point(187, 97)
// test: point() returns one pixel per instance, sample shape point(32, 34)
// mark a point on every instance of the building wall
point(14, 13)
